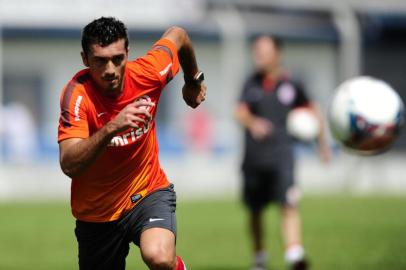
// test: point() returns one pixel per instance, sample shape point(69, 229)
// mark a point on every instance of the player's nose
point(109, 70)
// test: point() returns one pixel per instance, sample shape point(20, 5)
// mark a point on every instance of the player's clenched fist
point(194, 94)
point(133, 115)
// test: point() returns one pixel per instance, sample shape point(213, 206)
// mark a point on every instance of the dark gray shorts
point(105, 245)
point(264, 185)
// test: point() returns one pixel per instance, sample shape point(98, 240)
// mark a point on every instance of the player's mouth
point(112, 80)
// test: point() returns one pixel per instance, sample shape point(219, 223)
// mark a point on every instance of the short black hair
point(277, 41)
point(103, 31)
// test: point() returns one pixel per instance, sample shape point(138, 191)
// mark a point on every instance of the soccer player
point(268, 96)
point(108, 146)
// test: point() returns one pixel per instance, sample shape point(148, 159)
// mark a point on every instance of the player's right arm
point(77, 154)
point(193, 93)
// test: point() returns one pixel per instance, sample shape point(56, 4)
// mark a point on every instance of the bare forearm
point(194, 89)
point(243, 115)
point(77, 157)
point(187, 60)
point(322, 139)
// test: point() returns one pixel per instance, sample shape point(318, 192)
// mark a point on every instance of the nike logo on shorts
point(155, 219)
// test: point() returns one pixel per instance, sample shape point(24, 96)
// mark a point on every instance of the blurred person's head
point(105, 52)
point(266, 53)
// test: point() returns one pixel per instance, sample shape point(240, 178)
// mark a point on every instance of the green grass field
point(340, 232)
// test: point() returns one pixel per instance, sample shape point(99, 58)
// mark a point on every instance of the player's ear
point(84, 59)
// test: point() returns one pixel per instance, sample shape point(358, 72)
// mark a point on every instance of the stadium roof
point(295, 19)
point(75, 13)
point(160, 13)
point(397, 6)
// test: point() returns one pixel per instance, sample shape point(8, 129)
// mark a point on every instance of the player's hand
point(260, 128)
point(194, 94)
point(134, 115)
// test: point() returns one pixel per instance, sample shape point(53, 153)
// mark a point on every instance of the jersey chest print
point(132, 134)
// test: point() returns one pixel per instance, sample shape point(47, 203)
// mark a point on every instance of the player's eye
point(118, 59)
point(100, 60)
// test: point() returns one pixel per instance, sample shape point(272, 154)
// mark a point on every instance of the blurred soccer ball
point(366, 115)
point(303, 124)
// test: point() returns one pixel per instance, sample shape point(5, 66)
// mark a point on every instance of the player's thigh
point(157, 246)
point(255, 188)
point(252, 182)
point(101, 245)
point(287, 193)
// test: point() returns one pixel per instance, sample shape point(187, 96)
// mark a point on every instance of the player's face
point(265, 54)
point(107, 66)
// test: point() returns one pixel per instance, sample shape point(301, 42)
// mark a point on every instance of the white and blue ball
point(366, 115)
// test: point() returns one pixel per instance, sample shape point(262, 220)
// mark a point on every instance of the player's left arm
point(194, 90)
point(324, 149)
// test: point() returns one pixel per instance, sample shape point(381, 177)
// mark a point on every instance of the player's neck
point(274, 73)
point(113, 93)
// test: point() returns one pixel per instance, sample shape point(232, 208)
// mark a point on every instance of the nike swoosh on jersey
point(165, 70)
point(100, 114)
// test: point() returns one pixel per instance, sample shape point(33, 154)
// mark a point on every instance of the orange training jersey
point(128, 168)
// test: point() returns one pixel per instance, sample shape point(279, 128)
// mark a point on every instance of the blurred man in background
point(108, 146)
point(268, 165)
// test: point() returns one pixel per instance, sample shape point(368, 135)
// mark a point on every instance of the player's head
point(266, 53)
point(105, 52)
point(103, 31)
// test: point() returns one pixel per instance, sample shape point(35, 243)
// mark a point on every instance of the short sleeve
point(73, 118)
point(301, 98)
point(161, 63)
point(250, 94)
point(244, 96)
